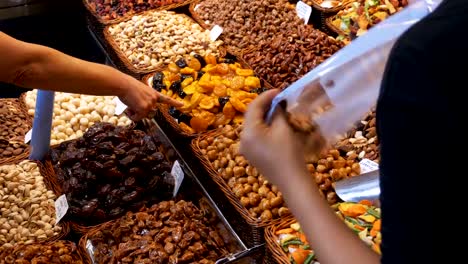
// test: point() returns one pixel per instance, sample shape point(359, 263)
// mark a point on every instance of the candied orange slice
point(229, 111)
point(199, 124)
point(194, 64)
point(207, 103)
point(244, 72)
point(237, 82)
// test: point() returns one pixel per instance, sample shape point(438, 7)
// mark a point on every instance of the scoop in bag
point(326, 102)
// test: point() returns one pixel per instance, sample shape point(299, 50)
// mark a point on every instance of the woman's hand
point(142, 100)
point(274, 150)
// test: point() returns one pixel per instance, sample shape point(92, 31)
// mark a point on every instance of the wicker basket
point(76, 252)
point(329, 24)
point(128, 64)
point(277, 253)
point(316, 5)
point(195, 15)
point(128, 15)
point(255, 222)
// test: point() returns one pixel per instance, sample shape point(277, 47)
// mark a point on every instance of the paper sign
point(178, 173)
point(215, 32)
point(303, 11)
point(90, 249)
point(61, 208)
point(28, 137)
point(119, 106)
point(368, 166)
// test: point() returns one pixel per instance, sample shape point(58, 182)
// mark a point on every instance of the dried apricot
point(194, 64)
point(247, 101)
point(198, 124)
point(244, 72)
point(222, 69)
point(195, 99)
point(252, 82)
point(220, 90)
point(229, 111)
point(192, 88)
point(186, 82)
point(207, 103)
point(186, 128)
point(187, 70)
point(237, 82)
point(210, 59)
point(238, 105)
point(172, 67)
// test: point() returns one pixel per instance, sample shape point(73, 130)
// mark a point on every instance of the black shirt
point(420, 115)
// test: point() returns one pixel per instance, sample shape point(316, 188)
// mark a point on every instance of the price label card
point(119, 106)
point(368, 166)
point(28, 137)
point(61, 208)
point(178, 173)
point(90, 249)
point(215, 32)
point(303, 11)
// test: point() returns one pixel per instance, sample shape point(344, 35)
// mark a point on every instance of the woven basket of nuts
point(113, 12)
point(150, 41)
point(169, 231)
point(258, 201)
point(45, 252)
point(27, 206)
point(215, 92)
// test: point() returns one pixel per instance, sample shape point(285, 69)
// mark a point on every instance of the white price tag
point(119, 106)
point(215, 32)
point(61, 208)
point(368, 166)
point(90, 249)
point(303, 11)
point(178, 173)
point(28, 136)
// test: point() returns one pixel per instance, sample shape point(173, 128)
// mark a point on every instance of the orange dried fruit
point(244, 72)
point(220, 90)
point(237, 82)
point(238, 105)
point(172, 67)
point(238, 119)
point(190, 89)
point(246, 101)
point(187, 70)
point(186, 128)
point(221, 120)
point(210, 59)
point(194, 64)
point(229, 111)
point(198, 124)
point(222, 68)
point(252, 82)
point(207, 103)
point(195, 99)
point(186, 82)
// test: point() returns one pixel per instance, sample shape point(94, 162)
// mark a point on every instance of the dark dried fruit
point(174, 112)
point(181, 63)
point(200, 74)
point(200, 59)
point(222, 101)
point(175, 86)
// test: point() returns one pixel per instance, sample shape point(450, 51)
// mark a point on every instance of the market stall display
point(167, 232)
point(214, 93)
point(360, 15)
point(110, 170)
point(61, 251)
point(247, 24)
point(327, 6)
point(282, 61)
point(288, 244)
point(14, 123)
point(152, 40)
point(75, 113)
point(110, 12)
point(10, 150)
point(27, 206)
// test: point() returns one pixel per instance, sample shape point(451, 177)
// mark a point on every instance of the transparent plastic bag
point(339, 92)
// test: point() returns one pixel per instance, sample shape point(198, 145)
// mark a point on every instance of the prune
point(200, 59)
point(129, 197)
point(174, 112)
point(159, 87)
point(130, 181)
point(94, 166)
point(127, 160)
point(158, 78)
point(175, 86)
point(185, 76)
point(181, 63)
point(182, 94)
point(222, 101)
point(184, 118)
point(200, 74)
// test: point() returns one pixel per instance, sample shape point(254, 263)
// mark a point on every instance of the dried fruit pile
point(109, 171)
point(214, 93)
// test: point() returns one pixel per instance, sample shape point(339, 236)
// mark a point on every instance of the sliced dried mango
point(252, 82)
point(187, 104)
point(207, 103)
point(367, 218)
point(244, 72)
point(186, 82)
point(205, 78)
point(191, 89)
point(229, 111)
point(238, 82)
point(238, 105)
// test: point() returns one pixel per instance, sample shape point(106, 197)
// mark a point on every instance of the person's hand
point(142, 100)
point(274, 150)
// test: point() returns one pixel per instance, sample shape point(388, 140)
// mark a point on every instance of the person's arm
point(34, 66)
point(278, 155)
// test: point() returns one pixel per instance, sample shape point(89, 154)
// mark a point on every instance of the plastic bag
point(341, 90)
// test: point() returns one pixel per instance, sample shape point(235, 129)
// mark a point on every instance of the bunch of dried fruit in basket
point(54, 252)
point(167, 232)
point(294, 242)
point(282, 61)
point(262, 199)
point(214, 94)
point(360, 15)
point(113, 9)
point(110, 170)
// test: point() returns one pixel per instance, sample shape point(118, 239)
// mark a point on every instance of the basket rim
point(77, 252)
point(271, 239)
point(129, 15)
point(123, 58)
point(256, 222)
point(317, 6)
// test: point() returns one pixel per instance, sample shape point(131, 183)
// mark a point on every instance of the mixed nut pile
point(26, 206)
point(63, 252)
point(168, 232)
point(13, 121)
point(155, 39)
point(75, 113)
point(9, 149)
point(262, 199)
point(111, 170)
